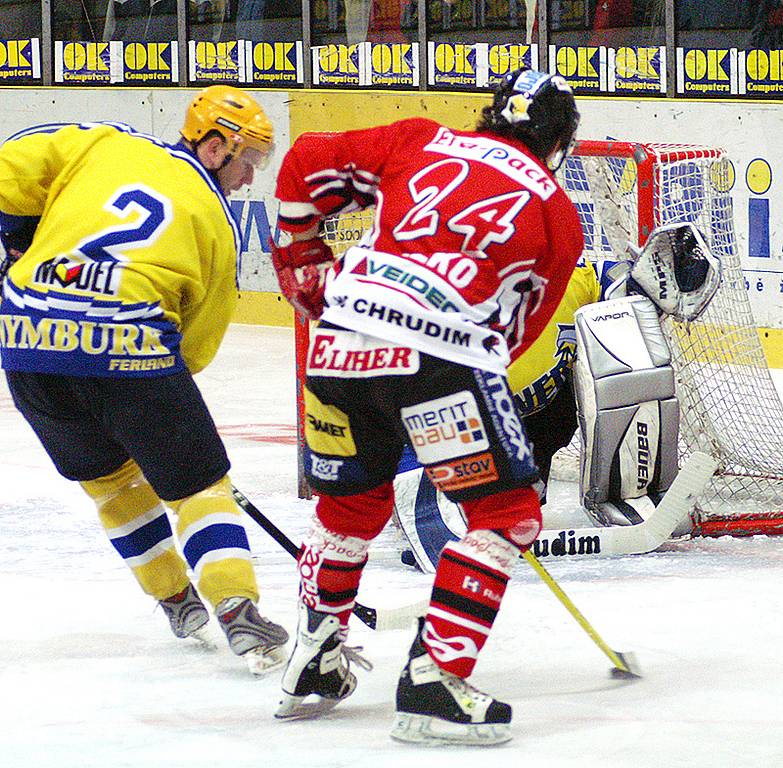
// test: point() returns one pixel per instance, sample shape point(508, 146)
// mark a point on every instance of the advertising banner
point(760, 73)
point(456, 65)
point(394, 65)
point(20, 60)
point(503, 58)
point(341, 65)
point(584, 67)
point(707, 72)
point(636, 70)
point(85, 63)
point(148, 63)
point(217, 62)
point(275, 64)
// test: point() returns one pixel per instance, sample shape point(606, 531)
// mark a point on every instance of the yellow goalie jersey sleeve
point(132, 270)
point(537, 374)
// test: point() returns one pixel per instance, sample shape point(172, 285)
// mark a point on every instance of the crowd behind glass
point(743, 25)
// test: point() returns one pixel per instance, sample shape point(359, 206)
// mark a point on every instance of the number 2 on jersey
point(154, 214)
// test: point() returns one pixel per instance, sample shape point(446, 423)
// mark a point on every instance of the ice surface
point(91, 676)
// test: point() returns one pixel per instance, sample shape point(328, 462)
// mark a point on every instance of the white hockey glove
point(677, 270)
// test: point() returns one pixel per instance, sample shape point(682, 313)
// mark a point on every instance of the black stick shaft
point(252, 511)
point(363, 612)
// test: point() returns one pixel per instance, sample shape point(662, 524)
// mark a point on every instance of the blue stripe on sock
point(143, 539)
point(213, 538)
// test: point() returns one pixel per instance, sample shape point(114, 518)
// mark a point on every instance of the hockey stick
point(423, 521)
point(377, 619)
point(625, 664)
point(637, 539)
point(643, 537)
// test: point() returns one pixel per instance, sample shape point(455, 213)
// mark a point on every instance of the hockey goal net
point(730, 407)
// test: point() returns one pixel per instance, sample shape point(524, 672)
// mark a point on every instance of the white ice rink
point(90, 674)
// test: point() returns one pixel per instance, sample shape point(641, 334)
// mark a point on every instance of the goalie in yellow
point(122, 286)
point(624, 387)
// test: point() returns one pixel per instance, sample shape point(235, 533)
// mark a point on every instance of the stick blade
point(679, 501)
point(631, 670)
point(386, 619)
point(402, 617)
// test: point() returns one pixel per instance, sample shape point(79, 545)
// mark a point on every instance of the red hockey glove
point(301, 271)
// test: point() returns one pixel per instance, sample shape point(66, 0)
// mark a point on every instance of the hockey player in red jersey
point(473, 243)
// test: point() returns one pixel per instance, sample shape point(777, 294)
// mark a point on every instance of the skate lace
point(470, 695)
point(352, 653)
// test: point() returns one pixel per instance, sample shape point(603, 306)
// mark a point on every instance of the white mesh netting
point(729, 404)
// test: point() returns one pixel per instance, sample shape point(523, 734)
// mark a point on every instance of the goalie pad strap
point(628, 412)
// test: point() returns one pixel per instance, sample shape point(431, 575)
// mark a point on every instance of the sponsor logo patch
point(92, 277)
point(463, 473)
point(348, 355)
point(325, 469)
point(510, 431)
point(327, 428)
point(444, 428)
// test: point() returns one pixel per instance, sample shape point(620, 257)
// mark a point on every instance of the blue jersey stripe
point(45, 128)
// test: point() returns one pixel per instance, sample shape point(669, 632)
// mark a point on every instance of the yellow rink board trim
point(263, 308)
point(269, 308)
point(772, 341)
point(342, 111)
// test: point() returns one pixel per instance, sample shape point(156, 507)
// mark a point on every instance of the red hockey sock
point(469, 585)
point(330, 568)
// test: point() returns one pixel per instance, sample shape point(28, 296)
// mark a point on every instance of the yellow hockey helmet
point(231, 112)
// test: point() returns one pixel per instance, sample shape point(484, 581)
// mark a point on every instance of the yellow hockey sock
point(138, 527)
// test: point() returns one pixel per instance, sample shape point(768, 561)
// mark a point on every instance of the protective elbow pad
point(628, 412)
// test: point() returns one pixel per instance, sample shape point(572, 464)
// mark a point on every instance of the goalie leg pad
point(426, 518)
point(628, 412)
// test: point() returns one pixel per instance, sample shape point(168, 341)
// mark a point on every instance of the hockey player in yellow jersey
point(540, 377)
point(124, 289)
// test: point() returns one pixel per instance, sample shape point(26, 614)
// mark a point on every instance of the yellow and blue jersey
point(132, 269)
point(535, 376)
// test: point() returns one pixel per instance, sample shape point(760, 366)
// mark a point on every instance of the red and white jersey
point(473, 241)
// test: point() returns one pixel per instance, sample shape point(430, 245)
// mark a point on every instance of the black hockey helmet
point(538, 109)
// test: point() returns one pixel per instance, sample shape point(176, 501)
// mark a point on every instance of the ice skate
point(186, 613)
point(257, 639)
point(318, 669)
point(436, 707)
